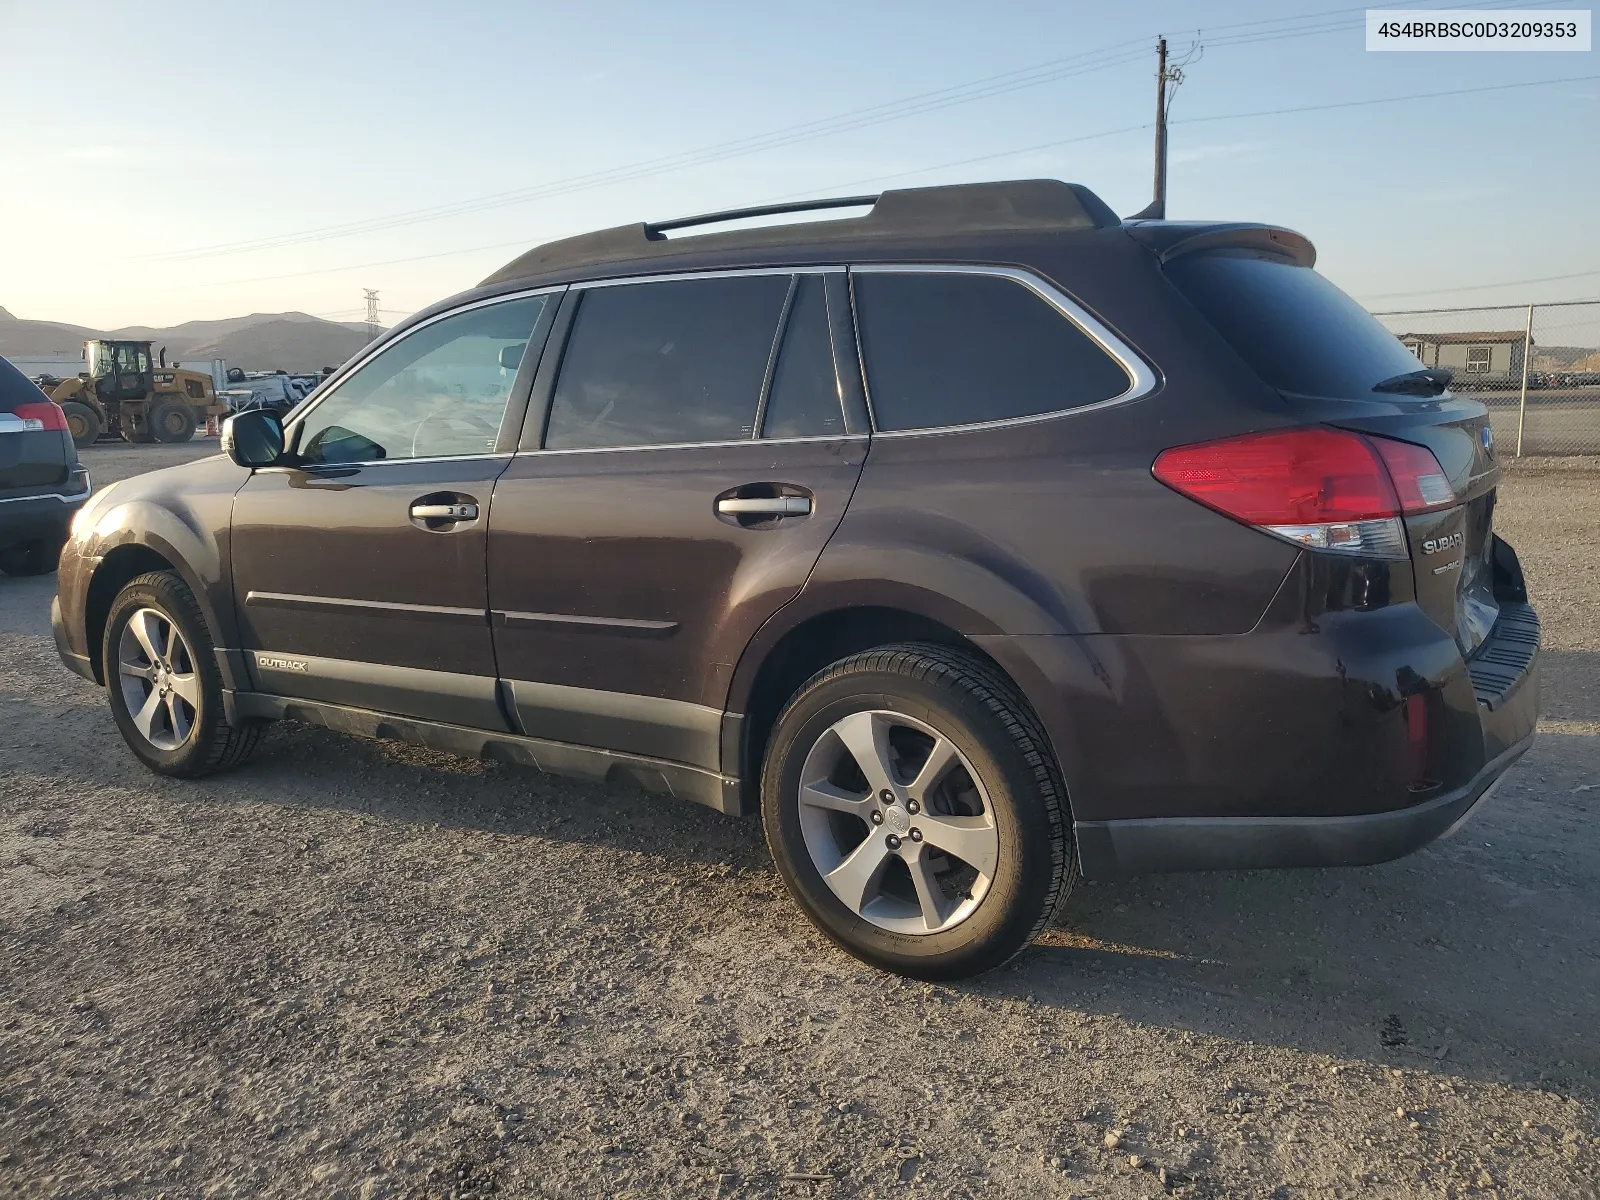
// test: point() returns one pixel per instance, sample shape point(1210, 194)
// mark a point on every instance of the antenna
point(371, 295)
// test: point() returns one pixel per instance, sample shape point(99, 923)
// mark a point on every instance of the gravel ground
point(359, 969)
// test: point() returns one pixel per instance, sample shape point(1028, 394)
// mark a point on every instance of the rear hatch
point(36, 451)
point(1326, 354)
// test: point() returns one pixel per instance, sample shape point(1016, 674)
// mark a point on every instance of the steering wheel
point(457, 415)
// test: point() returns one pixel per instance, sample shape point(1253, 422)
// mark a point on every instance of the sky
point(181, 160)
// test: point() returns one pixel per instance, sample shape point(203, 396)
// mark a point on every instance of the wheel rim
point(77, 425)
point(160, 685)
point(897, 822)
point(173, 421)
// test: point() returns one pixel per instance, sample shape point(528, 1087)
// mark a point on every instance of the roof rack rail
point(1015, 206)
point(759, 210)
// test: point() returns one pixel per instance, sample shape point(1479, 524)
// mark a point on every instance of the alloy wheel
point(160, 685)
point(897, 822)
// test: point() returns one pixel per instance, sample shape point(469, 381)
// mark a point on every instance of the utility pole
point(373, 313)
point(1159, 203)
point(1157, 209)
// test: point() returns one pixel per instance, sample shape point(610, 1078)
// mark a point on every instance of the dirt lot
point(356, 969)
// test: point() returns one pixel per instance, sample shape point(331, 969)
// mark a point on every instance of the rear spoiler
point(1172, 239)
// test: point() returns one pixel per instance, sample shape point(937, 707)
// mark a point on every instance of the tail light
point(1324, 488)
point(44, 414)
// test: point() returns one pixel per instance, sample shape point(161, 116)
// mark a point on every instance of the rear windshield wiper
point(1430, 381)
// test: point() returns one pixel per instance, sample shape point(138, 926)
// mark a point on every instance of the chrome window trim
point(730, 273)
point(389, 462)
point(1142, 379)
point(843, 437)
point(344, 373)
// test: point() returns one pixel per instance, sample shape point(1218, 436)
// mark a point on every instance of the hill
point(294, 345)
point(294, 341)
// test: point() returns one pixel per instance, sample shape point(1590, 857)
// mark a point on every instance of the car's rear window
point(16, 388)
point(1298, 331)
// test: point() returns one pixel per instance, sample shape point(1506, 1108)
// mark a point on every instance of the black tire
point(969, 702)
point(83, 422)
point(37, 556)
point(212, 744)
point(171, 421)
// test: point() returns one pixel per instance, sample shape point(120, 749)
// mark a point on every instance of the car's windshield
point(1297, 330)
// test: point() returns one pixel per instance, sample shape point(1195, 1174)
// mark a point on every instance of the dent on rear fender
point(977, 584)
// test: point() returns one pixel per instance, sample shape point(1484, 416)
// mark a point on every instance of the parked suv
point(41, 481)
point(977, 542)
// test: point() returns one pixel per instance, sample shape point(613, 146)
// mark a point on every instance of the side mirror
point(253, 438)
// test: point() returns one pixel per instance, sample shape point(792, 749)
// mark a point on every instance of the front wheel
point(83, 423)
point(914, 809)
point(163, 683)
point(171, 421)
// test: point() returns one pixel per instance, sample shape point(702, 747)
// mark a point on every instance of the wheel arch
point(138, 554)
point(117, 569)
point(779, 660)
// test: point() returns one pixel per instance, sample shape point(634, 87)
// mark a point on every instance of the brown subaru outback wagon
point(977, 542)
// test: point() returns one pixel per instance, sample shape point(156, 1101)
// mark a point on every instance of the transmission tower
point(372, 313)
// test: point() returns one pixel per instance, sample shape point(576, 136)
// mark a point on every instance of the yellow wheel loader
point(123, 394)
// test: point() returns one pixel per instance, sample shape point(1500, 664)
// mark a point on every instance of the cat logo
point(274, 662)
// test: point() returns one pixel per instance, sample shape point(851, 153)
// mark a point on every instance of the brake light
point(45, 414)
point(1328, 489)
point(1418, 479)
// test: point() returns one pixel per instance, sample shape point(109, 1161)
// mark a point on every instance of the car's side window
point(804, 400)
point(679, 361)
point(957, 349)
point(441, 391)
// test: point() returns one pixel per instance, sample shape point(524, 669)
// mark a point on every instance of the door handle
point(765, 506)
point(445, 512)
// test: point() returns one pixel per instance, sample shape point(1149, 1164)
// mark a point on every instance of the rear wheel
point(83, 423)
point(911, 803)
point(171, 421)
point(38, 556)
point(163, 684)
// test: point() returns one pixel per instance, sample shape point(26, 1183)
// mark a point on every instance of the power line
point(1004, 82)
point(1268, 112)
point(841, 123)
point(1482, 287)
point(1265, 112)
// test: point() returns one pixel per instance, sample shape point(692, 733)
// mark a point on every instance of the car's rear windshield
point(1299, 332)
point(16, 388)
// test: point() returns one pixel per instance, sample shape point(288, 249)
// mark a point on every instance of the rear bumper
point(1290, 746)
point(1119, 849)
point(23, 518)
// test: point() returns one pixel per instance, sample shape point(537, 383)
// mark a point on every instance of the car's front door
point(359, 572)
point(696, 458)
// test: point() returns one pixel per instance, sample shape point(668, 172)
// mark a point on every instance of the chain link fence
point(1536, 367)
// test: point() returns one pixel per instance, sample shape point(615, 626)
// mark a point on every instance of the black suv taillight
point(1328, 489)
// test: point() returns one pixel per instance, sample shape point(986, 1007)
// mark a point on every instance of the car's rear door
point(359, 572)
point(703, 440)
